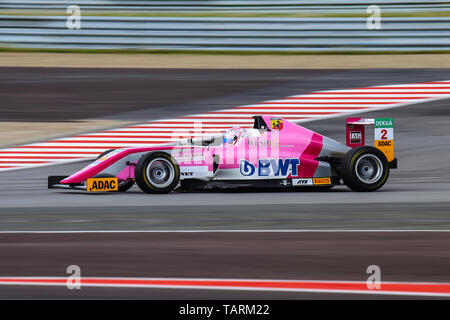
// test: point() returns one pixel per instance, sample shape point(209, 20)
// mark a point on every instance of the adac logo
point(276, 124)
point(270, 167)
point(384, 143)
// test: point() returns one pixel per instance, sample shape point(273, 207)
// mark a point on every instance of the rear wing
point(383, 135)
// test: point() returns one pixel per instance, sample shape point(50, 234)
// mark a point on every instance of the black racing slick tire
point(364, 169)
point(157, 172)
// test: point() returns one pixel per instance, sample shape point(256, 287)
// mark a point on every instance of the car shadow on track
point(230, 190)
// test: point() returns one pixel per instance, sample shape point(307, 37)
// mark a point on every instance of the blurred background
point(82, 66)
point(231, 26)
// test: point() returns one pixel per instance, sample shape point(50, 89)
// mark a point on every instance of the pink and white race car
point(274, 153)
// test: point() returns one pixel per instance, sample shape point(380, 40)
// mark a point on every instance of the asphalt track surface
point(416, 197)
point(68, 94)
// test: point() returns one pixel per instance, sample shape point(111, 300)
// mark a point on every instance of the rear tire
point(365, 169)
point(157, 172)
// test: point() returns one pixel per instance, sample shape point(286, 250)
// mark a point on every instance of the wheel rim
point(160, 172)
point(369, 168)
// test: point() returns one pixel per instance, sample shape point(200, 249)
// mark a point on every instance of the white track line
point(232, 231)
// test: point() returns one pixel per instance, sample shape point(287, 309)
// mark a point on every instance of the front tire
point(365, 169)
point(157, 172)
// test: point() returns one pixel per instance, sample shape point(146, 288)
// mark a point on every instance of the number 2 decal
point(384, 133)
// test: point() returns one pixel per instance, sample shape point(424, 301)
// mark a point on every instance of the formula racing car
point(275, 152)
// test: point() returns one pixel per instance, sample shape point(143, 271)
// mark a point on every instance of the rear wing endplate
point(383, 135)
